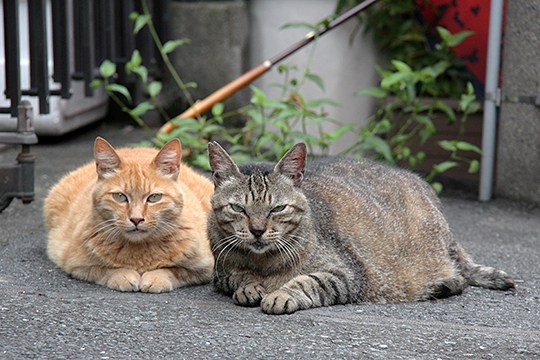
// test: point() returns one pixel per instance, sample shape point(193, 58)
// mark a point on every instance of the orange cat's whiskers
point(103, 227)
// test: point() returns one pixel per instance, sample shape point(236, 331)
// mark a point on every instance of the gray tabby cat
point(344, 231)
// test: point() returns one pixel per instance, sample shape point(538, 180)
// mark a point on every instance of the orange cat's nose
point(136, 221)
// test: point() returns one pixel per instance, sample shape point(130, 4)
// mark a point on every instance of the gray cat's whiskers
point(288, 250)
point(227, 244)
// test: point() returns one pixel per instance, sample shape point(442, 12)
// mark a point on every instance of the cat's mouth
point(258, 245)
point(136, 230)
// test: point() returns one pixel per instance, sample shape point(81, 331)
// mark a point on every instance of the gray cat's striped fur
point(344, 231)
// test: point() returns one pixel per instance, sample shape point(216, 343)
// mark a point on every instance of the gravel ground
point(46, 314)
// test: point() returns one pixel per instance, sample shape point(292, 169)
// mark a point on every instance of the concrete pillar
point(518, 148)
point(217, 54)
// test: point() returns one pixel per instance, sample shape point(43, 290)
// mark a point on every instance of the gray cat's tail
point(480, 275)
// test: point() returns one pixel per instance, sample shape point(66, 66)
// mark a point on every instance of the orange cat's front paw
point(157, 281)
point(124, 280)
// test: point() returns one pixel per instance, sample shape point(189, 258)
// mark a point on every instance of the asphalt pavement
point(45, 314)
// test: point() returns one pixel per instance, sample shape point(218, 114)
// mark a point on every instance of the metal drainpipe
point(492, 100)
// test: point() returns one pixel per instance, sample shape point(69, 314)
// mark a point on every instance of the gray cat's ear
point(293, 163)
point(169, 158)
point(107, 160)
point(221, 163)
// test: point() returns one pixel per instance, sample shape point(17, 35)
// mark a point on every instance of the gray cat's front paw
point(249, 295)
point(124, 280)
point(279, 302)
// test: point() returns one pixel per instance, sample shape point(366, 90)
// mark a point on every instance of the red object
point(458, 16)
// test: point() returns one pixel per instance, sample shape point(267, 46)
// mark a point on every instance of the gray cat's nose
point(257, 232)
point(136, 221)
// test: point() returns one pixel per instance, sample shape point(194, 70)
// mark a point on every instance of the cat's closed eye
point(153, 198)
point(278, 209)
point(237, 208)
point(119, 197)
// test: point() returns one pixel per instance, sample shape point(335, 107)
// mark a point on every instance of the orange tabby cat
point(138, 224)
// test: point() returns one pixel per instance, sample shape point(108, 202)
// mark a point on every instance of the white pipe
point(489, 133)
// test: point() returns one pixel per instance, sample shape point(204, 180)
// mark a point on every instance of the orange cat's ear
point(168, 160)
point(107, 160)
point(221, 163)
point(293, 163)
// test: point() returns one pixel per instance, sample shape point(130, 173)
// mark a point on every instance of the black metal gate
point(83, 33)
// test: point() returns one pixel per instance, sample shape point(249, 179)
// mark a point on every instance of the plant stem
point(125, 108)
point(165, 57)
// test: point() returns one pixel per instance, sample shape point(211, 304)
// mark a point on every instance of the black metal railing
point(101, 29)
point(83, 33)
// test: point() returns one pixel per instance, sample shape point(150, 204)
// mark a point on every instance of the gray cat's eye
point(237, 208)
point(279, 208)
point(119, 197)
point(154, 198)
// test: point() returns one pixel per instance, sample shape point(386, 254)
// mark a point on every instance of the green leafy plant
point(270, 126)
point(423, 70)
point(399, 32)
point(403, 122)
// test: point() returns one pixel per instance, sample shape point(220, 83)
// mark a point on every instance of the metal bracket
point(17, 180)
point(521, 99)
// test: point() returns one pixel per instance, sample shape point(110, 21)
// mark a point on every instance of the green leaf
point(437, 187)
point(316, 79)
point(465, 146)
point(381, 147)
point(154, 88)
point(455, 39)
point(134, 61)
point(171, 45)
point(448, 145)
point(96, 83)
point(396, 78)
point(375, 92)
point(107, 69)
point(217, 109)
point(142, 71)
point(474, 166)
point(259, 97)
point(445, 108)
point(140, 22)
point(401, 66)
point(435, 70)
point(121, 89)
point(141, 109)
point(445, 166)
point(134, 15)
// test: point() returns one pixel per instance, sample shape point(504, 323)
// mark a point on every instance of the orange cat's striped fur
point(133, 220)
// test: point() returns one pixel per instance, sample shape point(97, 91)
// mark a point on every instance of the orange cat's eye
point(154, 198)
point(119, 197)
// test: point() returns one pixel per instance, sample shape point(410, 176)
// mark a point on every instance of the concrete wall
point(518, 155)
